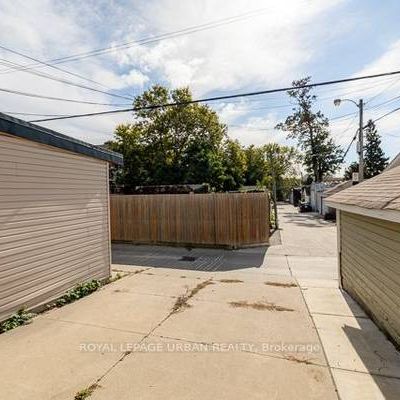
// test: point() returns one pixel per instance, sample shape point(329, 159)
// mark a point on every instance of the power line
point(67, 82)
point(365, 126)
point(40, 62)
point(349, 146)
point(391, 84)
point(33, 114)
point(385, 115)
point(149, 40)
point(20, 93)
point(210, 99)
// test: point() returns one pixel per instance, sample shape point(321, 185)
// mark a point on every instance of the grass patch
point(21, 317)
point(230, 281)
point(85, 393)
point(280, 284)
point(79, 291)
point(182, 301)
point(259, 306)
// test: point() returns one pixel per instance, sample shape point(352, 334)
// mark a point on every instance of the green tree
point(375, 160)
point(311, 130)
point(234, 165)
point(348, 173)
point(279, 166)
point(254, 165)
point(171, 145)
point(374, 157)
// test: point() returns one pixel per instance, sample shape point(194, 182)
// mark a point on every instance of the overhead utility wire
point(385, 115)
point(152, 39)
point(64, 81)
point(365, 126)
point(20, 93)
point(209, 99)
point(20, 67)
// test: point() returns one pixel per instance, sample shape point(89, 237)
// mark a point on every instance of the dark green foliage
point(374, 157)
point(171, 145)
point(234, 162)
point(348, 173)
point(81, 290)
point(21, 317)
point(311, 130)
point(254, 165)
point(375, 160)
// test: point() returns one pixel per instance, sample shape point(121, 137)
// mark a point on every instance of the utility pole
point(361, 142)
point(360, 146)
point(274, 194)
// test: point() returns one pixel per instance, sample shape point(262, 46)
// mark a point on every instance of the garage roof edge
point(26, 130)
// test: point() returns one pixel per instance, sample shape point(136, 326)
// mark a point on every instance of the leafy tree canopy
point(311, 130)
point(171, 145)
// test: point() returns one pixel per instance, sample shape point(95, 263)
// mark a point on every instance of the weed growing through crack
point(79, 291)
point(87, 392)
point(182, 301)
point(259, 306)
point(21, 317)
point(280, 284)
point(298, 360)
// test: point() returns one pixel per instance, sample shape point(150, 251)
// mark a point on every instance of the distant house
point(54, 214)
point(319, 192)
point(325, 209)
point(368, 216)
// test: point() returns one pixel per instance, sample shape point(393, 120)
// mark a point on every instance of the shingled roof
point(337, 188)
point(379, 193)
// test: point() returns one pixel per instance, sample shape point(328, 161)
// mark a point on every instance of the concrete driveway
point(264, 323)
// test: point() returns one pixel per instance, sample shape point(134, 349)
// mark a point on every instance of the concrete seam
point(322, 346)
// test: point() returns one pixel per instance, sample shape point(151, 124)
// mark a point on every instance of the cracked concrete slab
point(53, 359)
point(191, 374)
point(113, 307)
point(280, 333)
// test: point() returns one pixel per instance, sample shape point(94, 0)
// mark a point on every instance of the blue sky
point(279, 42)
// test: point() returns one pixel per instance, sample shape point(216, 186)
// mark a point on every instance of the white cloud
point(135, 78)
point(264, 49)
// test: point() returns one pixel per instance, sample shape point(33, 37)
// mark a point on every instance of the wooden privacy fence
point(215, 219)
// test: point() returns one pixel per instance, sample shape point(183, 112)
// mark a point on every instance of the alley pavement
point(259, 323)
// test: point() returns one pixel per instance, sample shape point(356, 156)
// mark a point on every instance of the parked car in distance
point(305, 207)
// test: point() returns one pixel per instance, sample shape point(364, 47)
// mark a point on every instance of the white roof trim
point(388, 215)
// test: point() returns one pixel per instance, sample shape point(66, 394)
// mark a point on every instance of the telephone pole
point(361, 142)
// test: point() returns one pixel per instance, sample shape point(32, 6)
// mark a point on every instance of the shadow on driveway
point(197, 259)
point(308, 220)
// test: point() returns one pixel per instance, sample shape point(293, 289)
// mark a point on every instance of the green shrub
point(21, 317)
point(80, 290)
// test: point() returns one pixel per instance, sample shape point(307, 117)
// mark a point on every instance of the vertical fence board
point(216, 219)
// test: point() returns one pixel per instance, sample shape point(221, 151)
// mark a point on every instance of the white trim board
point(388, 215)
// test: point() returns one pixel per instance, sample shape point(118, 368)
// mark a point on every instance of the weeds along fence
point(215, 219)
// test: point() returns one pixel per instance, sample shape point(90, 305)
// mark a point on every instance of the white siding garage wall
point(54, 222)
point(370, 267)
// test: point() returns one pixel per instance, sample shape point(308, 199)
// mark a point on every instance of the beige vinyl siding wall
point(370, 267)
point(54, 222)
